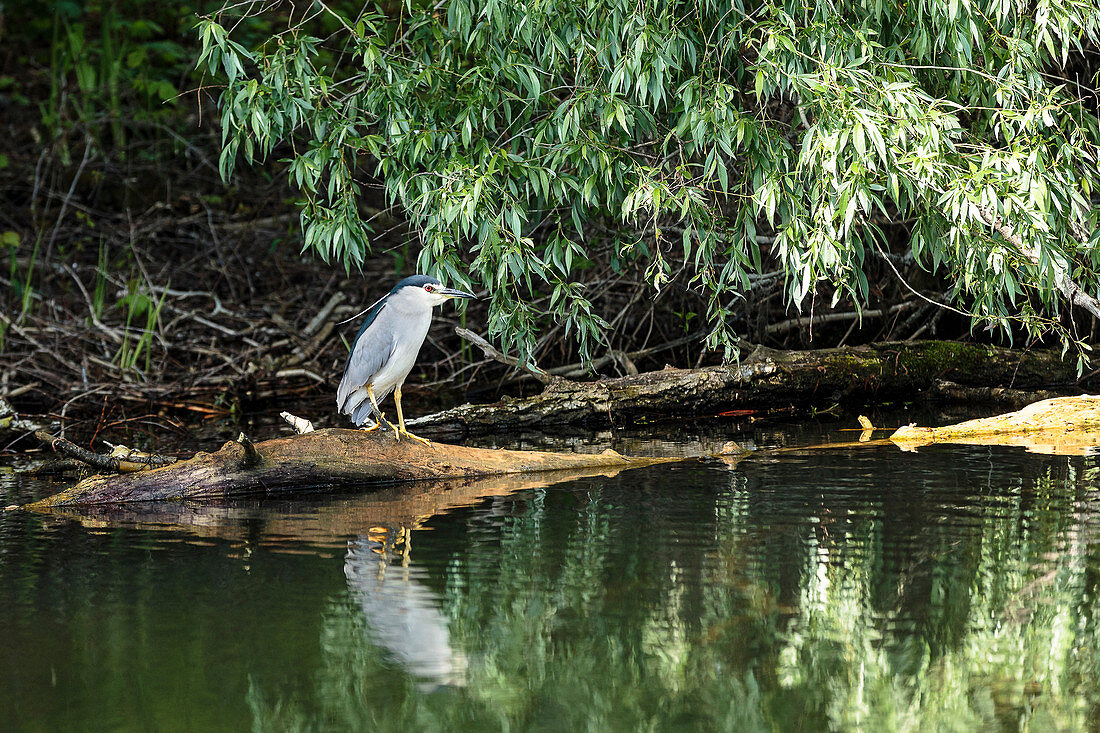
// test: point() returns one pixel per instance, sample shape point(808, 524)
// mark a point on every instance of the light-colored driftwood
point(300, 424)
point(1063, 425)
point(322, 458)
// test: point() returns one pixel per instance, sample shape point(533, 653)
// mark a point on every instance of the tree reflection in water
point(814, 593)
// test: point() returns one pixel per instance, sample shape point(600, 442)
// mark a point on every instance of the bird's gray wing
point(372, 348)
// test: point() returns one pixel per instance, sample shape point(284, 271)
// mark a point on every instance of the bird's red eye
point(429, 288)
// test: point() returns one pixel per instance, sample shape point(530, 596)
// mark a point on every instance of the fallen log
point(323, 458)
point(323, 521)
point(766, 379)
point(1002, 396)
point(1059, 426)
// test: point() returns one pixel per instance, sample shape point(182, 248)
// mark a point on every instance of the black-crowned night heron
point(385, 349)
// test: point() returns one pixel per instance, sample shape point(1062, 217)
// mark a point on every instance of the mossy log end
point(768, 379)
point(323, 458)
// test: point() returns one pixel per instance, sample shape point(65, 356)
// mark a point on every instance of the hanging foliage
point(723, 137)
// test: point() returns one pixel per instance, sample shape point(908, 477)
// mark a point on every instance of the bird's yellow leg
point(373, 401)
point(399, 431)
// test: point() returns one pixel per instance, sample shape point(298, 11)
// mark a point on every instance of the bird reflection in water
point(403, 616)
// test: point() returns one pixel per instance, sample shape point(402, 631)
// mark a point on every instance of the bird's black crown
point(415, 281)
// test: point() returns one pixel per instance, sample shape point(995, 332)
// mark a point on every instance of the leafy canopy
point(527, 139)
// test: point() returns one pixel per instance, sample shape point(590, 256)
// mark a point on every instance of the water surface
point(849, 588)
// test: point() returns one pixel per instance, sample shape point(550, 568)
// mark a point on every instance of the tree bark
point(322, 458)
point(766, 379)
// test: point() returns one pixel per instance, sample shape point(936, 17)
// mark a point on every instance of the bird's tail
point(363, 413)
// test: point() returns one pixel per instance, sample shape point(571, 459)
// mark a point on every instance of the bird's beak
point(452, 293)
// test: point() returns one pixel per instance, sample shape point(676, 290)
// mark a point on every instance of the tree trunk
point(766, 379)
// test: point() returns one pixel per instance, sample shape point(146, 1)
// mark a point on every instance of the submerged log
point(1060, 426)
point(767, 379)
point(322, 458)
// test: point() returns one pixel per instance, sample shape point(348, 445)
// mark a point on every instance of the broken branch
point(121, 459)
point(492, 353)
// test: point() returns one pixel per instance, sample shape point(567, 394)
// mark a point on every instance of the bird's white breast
point(409, 327)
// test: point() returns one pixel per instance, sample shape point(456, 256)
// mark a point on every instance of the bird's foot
point(417, 438)
point(399, 431)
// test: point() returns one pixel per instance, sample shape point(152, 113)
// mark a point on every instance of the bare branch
point(491, 352)
point(121, 458)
